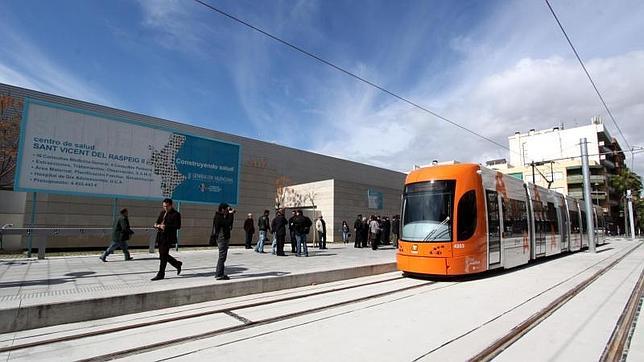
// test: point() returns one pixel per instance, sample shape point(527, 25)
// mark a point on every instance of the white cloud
point(515, 73)
point(533, 93)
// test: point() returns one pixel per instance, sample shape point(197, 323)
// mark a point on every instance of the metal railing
point(8, 229)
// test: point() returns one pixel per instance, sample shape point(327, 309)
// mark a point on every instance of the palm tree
point(626, 180)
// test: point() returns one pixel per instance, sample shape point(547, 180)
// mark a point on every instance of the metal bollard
point(151, 242)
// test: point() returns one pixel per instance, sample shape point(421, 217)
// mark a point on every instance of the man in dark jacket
point(279, 230)
point(302, 225)
point(364, 231)
point(264, 226)
point(291, 230)
point(395, 229)
point(357, 227)
point(224, 218)
point(249, 228)
point(120, 235)
point(168, 222)
point(386, 230)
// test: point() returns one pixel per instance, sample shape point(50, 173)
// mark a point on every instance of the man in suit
point(168, 222)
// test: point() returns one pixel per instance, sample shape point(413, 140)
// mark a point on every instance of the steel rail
point(614, 350)
point(249, 324)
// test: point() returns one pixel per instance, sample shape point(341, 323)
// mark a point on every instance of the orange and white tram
point(464, 218)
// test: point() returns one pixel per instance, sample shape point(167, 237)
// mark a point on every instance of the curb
point(45, 315)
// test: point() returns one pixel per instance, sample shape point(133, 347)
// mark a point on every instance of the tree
point(10, 117)
point(626, 180)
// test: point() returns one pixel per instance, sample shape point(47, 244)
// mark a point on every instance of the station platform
point(38, 293)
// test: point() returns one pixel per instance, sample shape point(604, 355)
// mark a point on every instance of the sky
point(494, 67)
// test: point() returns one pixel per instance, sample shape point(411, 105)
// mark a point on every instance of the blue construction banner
point(71, 151)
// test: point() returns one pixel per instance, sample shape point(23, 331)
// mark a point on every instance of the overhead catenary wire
point(349, 73)
point(583, 66)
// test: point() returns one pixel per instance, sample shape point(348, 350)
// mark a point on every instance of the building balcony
point(608, 164)
point(594, 195)
point(578, 179)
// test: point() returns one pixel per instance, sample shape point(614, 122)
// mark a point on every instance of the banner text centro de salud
point(71, 151)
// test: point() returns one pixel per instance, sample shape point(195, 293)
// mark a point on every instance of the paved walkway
point(27, 282)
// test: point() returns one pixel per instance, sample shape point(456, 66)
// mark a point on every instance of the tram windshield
point(427, 211)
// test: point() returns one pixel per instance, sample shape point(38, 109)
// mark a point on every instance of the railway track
point(374, 289)
point(499, 345)
point(230, 311)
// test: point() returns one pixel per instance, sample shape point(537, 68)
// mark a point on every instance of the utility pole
point(587, 201)
point(533, 181)
point(629, 197)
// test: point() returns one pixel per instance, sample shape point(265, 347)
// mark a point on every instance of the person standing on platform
point(344, 229)
point(320, 226)
point(386, 231)
point(365, 231)
point(279, 231)
point(291, 231)
point(121, 233)
point(302, 225)
point(357, 229)
point(168, 222)
point(264, 226)
point(374, 230)
point(249, 228)
point(395, 229)
point(223, 224)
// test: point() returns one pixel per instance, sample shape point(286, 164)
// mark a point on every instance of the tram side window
point(515, 218)
point(553, 224)
point(466, 215)
point(574, 222)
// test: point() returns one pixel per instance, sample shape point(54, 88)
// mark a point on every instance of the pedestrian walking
point(168, 222)
point(279, 232)
point(345, 232)
point(264, 226)
point(224, 218)
point(320, 226)
point(121, 233)
point(302, 225)
point(249, 228)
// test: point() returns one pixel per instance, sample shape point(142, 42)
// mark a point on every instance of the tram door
point(493, 227)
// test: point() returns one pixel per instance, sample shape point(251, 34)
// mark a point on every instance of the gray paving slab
point(73, 275)
point(85, 280)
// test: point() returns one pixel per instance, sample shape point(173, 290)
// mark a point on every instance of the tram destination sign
point(72, 151)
